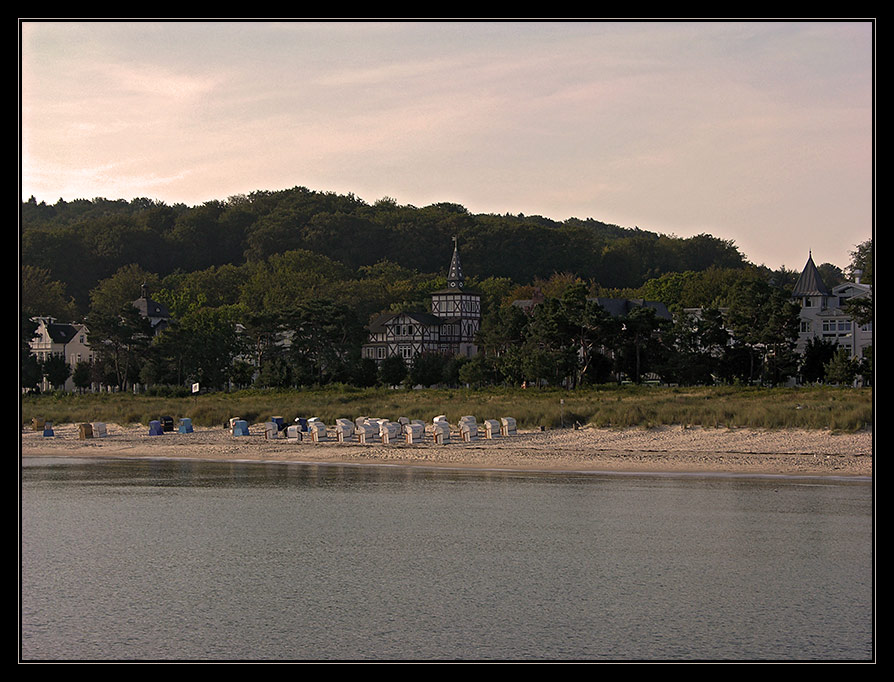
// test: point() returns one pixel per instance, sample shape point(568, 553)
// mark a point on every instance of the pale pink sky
point(757, 132)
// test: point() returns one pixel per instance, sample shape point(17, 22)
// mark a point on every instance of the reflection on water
point(245, 561)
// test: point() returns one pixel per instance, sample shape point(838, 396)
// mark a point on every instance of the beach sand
point(660, 450)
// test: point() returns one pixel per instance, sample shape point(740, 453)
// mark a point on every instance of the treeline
point(80, 243)
point(275, 289)
point(274, 326)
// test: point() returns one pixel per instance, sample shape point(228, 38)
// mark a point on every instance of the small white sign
point(195, 388)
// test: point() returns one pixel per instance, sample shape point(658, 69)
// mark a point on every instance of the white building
point(449, 329)
point(67, 341)
point(823, 312)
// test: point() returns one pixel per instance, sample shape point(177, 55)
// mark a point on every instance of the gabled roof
point(379, 323)
point(150, 308)
point(810, 283)
point(426, 318)
point(852, 290)
point(61, 333)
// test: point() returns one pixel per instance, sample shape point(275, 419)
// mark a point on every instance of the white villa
point(823, 313)
point(55, 339)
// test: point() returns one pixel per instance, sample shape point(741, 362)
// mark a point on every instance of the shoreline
point(662, 450)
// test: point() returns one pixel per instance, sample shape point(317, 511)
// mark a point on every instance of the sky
point(761, 133)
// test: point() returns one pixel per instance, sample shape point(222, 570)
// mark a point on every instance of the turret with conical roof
point(810, 283)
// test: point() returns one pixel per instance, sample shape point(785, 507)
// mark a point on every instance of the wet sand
point(660, 450)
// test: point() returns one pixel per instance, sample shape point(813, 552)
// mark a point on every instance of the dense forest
point(319, 264)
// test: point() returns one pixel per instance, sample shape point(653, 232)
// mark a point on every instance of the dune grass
point(815, 407)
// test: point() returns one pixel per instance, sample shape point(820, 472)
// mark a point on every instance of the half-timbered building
point(449, 328)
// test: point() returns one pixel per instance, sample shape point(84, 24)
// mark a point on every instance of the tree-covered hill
point(81, 243)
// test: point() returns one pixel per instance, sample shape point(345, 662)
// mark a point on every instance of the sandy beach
point(665, 449)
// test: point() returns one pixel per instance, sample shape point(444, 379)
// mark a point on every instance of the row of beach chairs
point(368, 429)
point(157, 427)
point(363, 429)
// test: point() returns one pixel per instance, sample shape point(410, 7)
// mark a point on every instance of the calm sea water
point(158, 560)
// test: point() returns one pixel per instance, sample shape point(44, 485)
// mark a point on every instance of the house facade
point(824, 313)
point(449, 329)
point(67, 341)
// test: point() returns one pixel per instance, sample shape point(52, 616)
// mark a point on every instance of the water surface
point(155, 560)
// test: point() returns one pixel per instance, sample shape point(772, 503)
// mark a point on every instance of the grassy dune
point(820, 407)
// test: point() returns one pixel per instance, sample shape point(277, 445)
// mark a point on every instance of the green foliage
point(765, 322)
point(862, 259)
point(313, 267)
point(30, 372)
point(82, 376)
point(56, 371)
point(817, 354)
point(120, 290)
point(392, 370)
point(80, 243)
point(478, 371)
point(427, 369)
point(841, 369)
point(42, 296)
point(861, 309)
point(120, 340)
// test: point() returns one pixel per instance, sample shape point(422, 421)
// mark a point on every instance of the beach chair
point(441, 432)
point(366, 432)
point(414, 432)
point(317, 430)
point(388, 431)
point(508, 428)
point(468, 428)
point(491, 428)
point(344, 430)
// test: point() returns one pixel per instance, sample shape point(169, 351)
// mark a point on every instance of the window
point(805, 326)
point(406, 352)
point(380, 352)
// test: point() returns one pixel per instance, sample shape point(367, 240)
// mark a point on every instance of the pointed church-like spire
point(455, 275)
